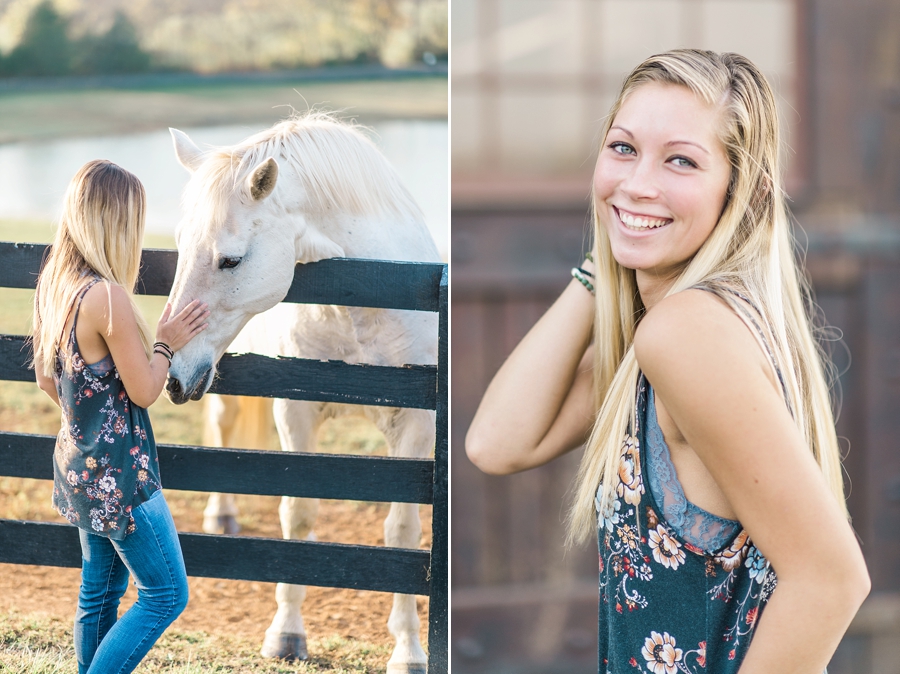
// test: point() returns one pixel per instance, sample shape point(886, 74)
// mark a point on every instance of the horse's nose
point(201, 387)
point(174, 391)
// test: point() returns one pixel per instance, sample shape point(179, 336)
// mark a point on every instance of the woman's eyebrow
point(686, 142)
point(670, 143)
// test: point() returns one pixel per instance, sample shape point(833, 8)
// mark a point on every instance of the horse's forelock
point(339, 168)
point(211, 188)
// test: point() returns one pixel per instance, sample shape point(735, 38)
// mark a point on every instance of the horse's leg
point(219, 412)
point(233, 421)
point(297, 423)
point(410, 434)
point(220, 514)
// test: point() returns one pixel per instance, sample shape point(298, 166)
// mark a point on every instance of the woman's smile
point(660, 181)
point(640, 222)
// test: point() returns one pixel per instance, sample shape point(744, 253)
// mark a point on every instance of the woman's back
point(105, 462)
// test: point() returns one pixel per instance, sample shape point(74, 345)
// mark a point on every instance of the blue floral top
point(105, 462)
point(681, 590)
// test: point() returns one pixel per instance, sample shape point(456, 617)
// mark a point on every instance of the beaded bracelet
point(578, 274)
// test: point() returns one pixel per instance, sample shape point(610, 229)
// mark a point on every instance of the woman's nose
point(640, 183)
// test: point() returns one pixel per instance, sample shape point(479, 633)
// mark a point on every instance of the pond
point(34, 174)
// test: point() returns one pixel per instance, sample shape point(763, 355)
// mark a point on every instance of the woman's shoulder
point(100, 292)
point(693, 333)
point(102, 296)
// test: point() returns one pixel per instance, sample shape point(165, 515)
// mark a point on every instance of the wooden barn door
point(517, 596)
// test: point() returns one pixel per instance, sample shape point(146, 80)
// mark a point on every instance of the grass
point(32, 644)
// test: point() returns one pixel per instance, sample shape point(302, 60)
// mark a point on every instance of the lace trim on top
point(102, 367)
point(693, 524)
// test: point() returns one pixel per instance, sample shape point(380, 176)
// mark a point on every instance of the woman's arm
point(143, 379)
point(540, 403)
point(44, 382)
point(712, 378)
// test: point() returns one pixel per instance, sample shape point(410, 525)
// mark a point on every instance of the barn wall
point(531, 81)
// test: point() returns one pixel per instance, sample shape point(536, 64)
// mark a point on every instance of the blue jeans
point(152, 554)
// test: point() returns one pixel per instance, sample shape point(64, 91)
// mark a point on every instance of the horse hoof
point(286, 647)
point(407, 668)
point(221, 524)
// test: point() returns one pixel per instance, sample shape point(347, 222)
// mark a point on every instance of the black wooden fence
point(363, 283)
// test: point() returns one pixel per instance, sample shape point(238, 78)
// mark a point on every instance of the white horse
point(307, 189)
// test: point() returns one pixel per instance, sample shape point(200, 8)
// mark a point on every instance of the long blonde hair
point(749, 252)
point(100, 233)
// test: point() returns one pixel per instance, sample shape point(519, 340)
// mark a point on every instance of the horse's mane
point(339, 168)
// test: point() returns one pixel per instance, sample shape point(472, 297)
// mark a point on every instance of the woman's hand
point(177, 331)
point(143, 379)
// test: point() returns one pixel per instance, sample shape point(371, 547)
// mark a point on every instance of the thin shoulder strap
point(94, 281)
point(739, 304)
point(76, 306)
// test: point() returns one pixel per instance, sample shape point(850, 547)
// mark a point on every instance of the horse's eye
point(229, 262)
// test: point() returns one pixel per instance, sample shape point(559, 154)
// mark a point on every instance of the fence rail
point(250, 374)
point(377, 284)
point(235, 471)
point(271, 560)
point(362, 283)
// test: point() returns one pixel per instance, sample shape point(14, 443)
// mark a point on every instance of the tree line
point(46, 48)
point(291, 34)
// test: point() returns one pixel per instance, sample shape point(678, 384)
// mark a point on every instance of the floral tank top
point(681, 590)
point(104, 463)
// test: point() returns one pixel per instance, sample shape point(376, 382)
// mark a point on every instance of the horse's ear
point(262, 180)
point(189, 155)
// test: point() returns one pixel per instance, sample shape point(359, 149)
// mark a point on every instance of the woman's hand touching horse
point(176, 331)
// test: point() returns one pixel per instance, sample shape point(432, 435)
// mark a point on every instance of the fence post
point(438, 637)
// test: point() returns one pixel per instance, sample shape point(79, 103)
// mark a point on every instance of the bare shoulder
point(98, 300)
point(694, 335)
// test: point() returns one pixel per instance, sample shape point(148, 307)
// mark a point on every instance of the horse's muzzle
point(178, 395)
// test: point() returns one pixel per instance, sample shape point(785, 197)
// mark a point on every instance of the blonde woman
point(94, 357)
point(684, 358)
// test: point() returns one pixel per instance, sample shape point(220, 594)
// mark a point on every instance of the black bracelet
point(163, 354)
point(585, 272)
point(165, 347)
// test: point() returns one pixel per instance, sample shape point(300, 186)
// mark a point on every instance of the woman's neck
point(653, 287)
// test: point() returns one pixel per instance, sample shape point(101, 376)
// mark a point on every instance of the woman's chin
point(633, 260)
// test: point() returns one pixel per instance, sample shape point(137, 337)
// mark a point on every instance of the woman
point(93, 356)
point(698, 351)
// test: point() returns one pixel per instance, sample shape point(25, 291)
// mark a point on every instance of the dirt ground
point(237, 608)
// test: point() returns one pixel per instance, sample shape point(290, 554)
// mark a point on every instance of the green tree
point(116, 51)
point(45, 47)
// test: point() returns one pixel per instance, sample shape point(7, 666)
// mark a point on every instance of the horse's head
point(237, 247)
point(307, 189)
